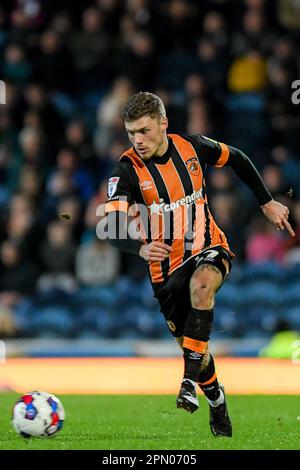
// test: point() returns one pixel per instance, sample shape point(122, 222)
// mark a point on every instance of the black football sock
point(196, 335)
point(209, 384)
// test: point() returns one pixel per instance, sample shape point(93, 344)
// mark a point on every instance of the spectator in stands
point(57, 257)
point(97, 263)
point(37, 99)
point(138, 61)
point(30, 183)
point(254, 35)
point(263, 243)
point(78, 140)
point(16, 67)
point(21, 224)
point(274, 179)
point(90, 48)
point(289, 165)
point(211, 64)
point(224, 209)
point(91, 215)
point(248, 73)
point(181, 25)
point(18, 275)
point(289, 14)
point(108, 114)
point(82, 180)
point(214, 30)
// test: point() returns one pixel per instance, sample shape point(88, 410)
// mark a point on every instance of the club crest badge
point(112, 185)
point(193, 166)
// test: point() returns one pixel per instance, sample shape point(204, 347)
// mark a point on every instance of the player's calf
point(196, 335)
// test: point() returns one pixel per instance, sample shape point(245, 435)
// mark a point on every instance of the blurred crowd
point(224, 68)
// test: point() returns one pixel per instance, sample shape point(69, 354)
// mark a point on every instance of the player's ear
point(164, 123)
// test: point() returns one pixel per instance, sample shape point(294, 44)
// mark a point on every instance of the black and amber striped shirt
point(172, 187)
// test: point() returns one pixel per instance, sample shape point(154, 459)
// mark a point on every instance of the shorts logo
point(171, 325)
point(208, 255)
point(112, 185)
point(193, 166)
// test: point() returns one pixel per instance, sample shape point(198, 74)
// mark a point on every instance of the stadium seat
point(290, 295)
point(292, 315)
point(54, 321)
point(261, 293)
point(97, 319)
point(262, 272)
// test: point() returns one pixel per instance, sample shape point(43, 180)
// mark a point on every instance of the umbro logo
point(146, 185)
point(195, 355)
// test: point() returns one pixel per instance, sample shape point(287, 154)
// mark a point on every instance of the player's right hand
point(155, 251)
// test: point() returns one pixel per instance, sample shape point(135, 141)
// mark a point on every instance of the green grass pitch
point(153, 422)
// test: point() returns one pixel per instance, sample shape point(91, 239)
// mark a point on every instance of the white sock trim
point(192, 382)
point(219, 401)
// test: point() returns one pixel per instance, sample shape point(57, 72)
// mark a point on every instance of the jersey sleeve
point(121, 188)
point(211, 152)
point(247, 172)
point(121, 193)
point(216, 154)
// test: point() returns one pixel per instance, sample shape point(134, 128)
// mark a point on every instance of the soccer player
point(187, 254)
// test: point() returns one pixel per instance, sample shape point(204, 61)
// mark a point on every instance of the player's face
point(148, 136)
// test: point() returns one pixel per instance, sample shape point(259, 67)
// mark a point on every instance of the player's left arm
point(218, 154)
point(276, 212)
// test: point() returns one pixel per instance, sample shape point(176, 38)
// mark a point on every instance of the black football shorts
point(174, 294)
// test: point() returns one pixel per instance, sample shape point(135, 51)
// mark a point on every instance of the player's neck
point(163, 147)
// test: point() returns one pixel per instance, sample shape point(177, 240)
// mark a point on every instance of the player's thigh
point(175, 309)
point(174, 300)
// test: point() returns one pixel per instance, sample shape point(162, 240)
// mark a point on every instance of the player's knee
point(202, 293)
point(203, 299)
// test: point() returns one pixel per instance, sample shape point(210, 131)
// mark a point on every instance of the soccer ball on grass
point(38, 414)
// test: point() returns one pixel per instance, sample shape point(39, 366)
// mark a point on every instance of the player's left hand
point(278, 214)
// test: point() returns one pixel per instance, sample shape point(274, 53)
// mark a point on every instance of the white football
point(38, 414)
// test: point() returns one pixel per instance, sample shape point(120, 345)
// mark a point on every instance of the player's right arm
point(122, 188)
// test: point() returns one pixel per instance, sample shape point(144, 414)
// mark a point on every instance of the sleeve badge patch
point(112, 185)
